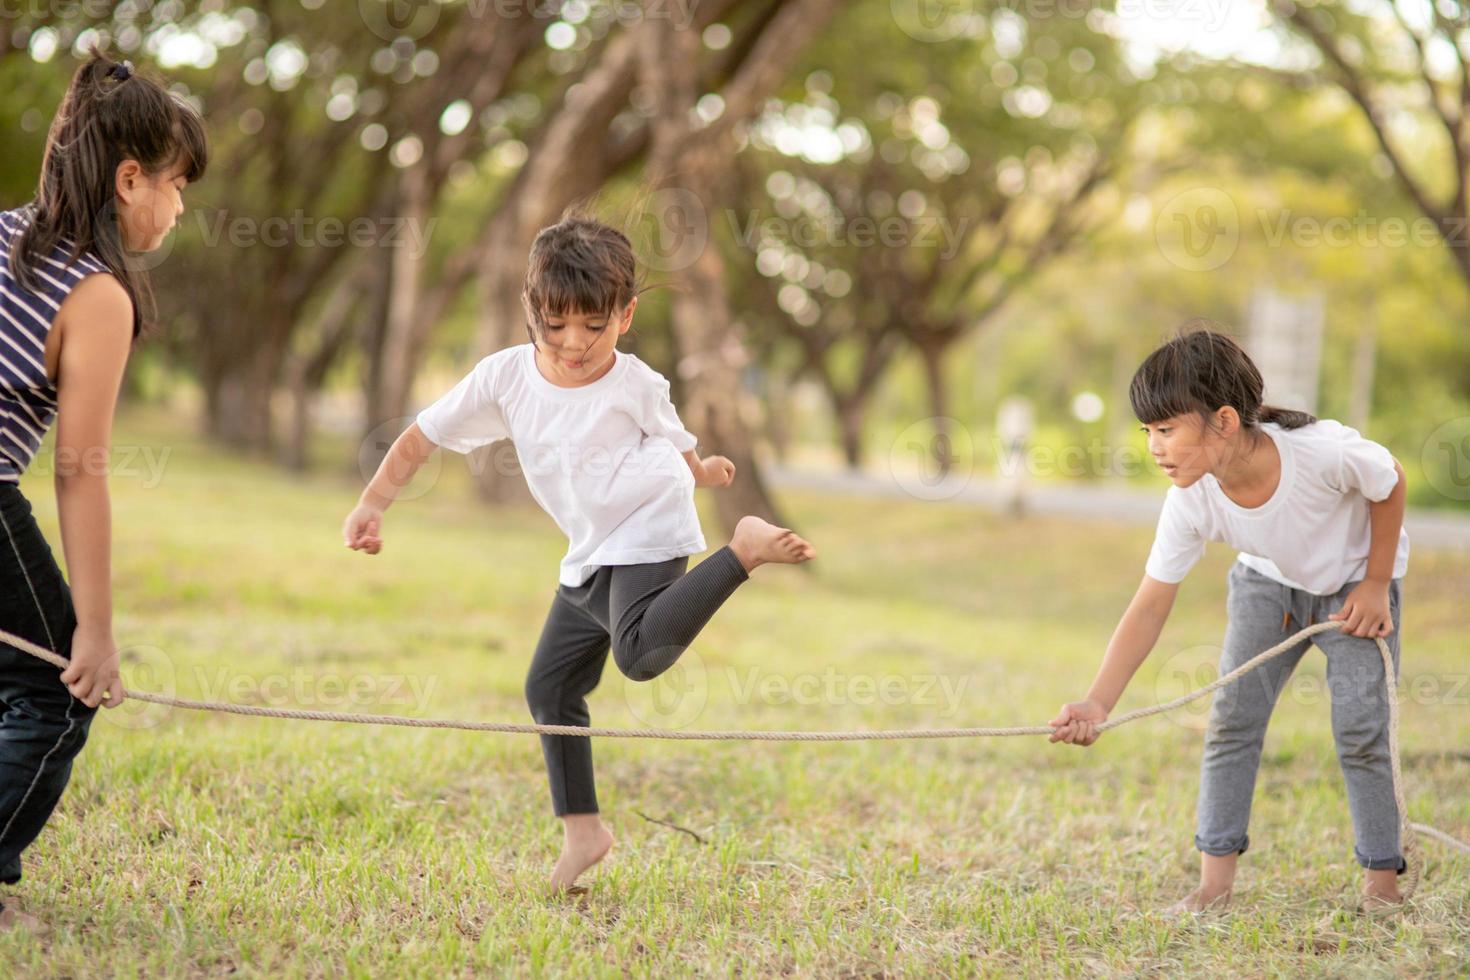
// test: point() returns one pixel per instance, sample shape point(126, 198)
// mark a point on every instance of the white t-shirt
point(1313, 534)
point(604, 460)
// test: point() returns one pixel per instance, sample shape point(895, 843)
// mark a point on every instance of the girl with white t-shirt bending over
point(604, 453)
point(1316, 511)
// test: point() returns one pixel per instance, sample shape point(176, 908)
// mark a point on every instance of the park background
point(905, 257)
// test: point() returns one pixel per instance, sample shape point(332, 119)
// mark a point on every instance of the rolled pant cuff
point(1396, 863)
point(1216, 850)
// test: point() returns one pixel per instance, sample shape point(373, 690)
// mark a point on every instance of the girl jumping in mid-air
point(118, 156)
point(601, 445)
point(1316, 511)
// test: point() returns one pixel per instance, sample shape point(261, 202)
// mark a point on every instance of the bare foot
point(12, 919)
point(1201, 902)
point(757, 542)
point(1375, 901)
point(587, 842)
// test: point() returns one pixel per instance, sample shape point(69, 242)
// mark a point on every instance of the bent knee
point(1362, 743)
point(542, 694)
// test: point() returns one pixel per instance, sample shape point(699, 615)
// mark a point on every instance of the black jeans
point(648, 615)
point(42, 727)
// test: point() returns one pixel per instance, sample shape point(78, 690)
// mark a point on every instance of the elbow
point(75, 481)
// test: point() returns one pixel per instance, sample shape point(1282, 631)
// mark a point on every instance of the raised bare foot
point(1201, 902)
point(12, 919)
point(757, 542)
point(585, 845)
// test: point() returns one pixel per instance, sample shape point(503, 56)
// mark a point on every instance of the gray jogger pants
point(1263, 613)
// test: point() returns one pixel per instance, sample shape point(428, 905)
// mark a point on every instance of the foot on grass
point(12, 919)
point(1201, 902)
point(580, 852)
point(1375, 901)
point(757, 542)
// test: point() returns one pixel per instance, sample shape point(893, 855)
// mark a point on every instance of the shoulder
point(1186, 505)
point(12, 223)
point(494, 366)
point(641, 373)
point(1329, 430)
point(99, 302)
point(60, 263)
point(1324, 441)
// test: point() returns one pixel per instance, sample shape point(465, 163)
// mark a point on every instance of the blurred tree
point(1406, 66)
point(899, 206)
point(690, 162)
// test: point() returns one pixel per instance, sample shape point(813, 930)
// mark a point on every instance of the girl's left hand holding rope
point(92, 678)
point(1366, 610)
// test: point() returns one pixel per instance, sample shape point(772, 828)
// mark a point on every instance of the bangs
point(1163, 387)
point(191, 145)
point(573, 283)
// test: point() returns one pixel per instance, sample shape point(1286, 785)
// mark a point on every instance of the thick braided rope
point(1411, 876)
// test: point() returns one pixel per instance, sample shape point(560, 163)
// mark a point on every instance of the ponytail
point(1287, 418)
point(110, 114)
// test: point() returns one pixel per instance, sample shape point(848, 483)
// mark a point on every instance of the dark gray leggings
point(648, 615)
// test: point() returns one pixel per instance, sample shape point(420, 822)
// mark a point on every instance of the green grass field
point(199, 845)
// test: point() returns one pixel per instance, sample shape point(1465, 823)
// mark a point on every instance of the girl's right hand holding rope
point(92, 677)
point(362, 531)
point(1077, 723)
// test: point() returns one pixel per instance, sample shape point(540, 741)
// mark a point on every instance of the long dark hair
point(1200, 371)
point(579, 264)
point(110, 114)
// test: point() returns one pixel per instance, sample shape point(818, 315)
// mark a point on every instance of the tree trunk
point(306, 373)
point(942, 448)
point(406, 328)
point(712, 358)
point(689, 166)
point(852, 417)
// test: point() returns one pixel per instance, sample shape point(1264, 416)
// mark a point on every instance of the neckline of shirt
point(1283, 482)
point(540, 382)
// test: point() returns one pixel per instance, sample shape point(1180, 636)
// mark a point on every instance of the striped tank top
point(27, 396)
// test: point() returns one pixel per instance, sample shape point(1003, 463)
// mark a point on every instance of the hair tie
point(122, 71)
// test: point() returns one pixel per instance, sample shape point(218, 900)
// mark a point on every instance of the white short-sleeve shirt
point(1313, 534)
point(605, 460)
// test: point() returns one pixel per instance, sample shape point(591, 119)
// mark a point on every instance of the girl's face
point(148, 205)
point(578, 348)
point(1186, 448)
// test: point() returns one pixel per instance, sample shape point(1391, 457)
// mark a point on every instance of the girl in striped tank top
point(72, 301)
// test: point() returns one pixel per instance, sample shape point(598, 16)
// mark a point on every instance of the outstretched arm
point(362, 531)
point(1131, 644)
